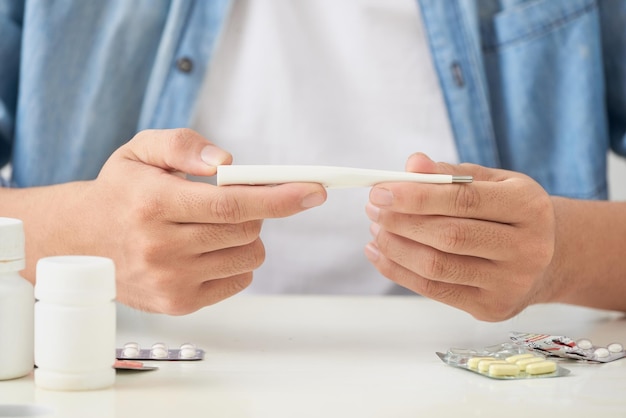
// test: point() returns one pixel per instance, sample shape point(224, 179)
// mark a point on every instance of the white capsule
point(615, 348)
point(584, 343)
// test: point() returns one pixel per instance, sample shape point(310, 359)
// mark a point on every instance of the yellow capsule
point(542, 367)
point(483, 365)
point(472, 363)
point(526, 361)
point(516, 357)
point(503, 369)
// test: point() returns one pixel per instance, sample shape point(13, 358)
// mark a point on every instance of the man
point(520, 86)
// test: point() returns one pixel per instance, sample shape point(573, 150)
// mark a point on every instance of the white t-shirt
point(330, 82)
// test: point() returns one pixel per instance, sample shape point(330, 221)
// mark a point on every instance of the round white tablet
point(602, 352)
point(584, 343)
point(615, 348)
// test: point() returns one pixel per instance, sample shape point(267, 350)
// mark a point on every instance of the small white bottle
point(75, 323)
point(16, 304)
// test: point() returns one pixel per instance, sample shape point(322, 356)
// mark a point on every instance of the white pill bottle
point(75, 323)
point(16, 304)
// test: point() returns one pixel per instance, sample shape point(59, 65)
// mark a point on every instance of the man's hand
point(178, 245)
point(483, 247)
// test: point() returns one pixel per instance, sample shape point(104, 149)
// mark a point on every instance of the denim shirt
point(534, 86)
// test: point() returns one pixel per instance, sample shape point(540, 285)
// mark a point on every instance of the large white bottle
point(16, 304)
point(75, 323)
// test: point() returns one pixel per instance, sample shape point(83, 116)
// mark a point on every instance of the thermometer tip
point(462, 179)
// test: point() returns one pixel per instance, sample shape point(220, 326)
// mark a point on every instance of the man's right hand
point(178, 245)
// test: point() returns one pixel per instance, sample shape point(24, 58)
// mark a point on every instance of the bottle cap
point(75, 279)
point(11, 245)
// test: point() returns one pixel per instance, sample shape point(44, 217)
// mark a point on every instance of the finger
point(450, 293)
point(433, 264)
point(506, 201)
point(206, 294)
point(481, 304)
point(421, 163)
point(172, 270)
point(495, 194)
point(490, 240)
point(203, 238)
point(230, 261)
point(203, 203)
point(176, 291)
point(214, 291)
point(176, 150)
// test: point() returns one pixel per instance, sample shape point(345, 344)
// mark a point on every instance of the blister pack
point(505, 361)
point(565, 347)
point(159, 351)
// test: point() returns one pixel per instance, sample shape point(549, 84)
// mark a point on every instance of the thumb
point(181, 150)
point(421, 163)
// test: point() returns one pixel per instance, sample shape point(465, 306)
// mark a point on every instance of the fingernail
point(374, 229)
point(372, 212)
point(381, 197)
point(213, 156)
point(312, 200)
point(371, 252)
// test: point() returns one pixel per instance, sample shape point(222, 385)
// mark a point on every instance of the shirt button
point(184, 64)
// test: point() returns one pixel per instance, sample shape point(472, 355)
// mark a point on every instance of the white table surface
point(314, 356)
